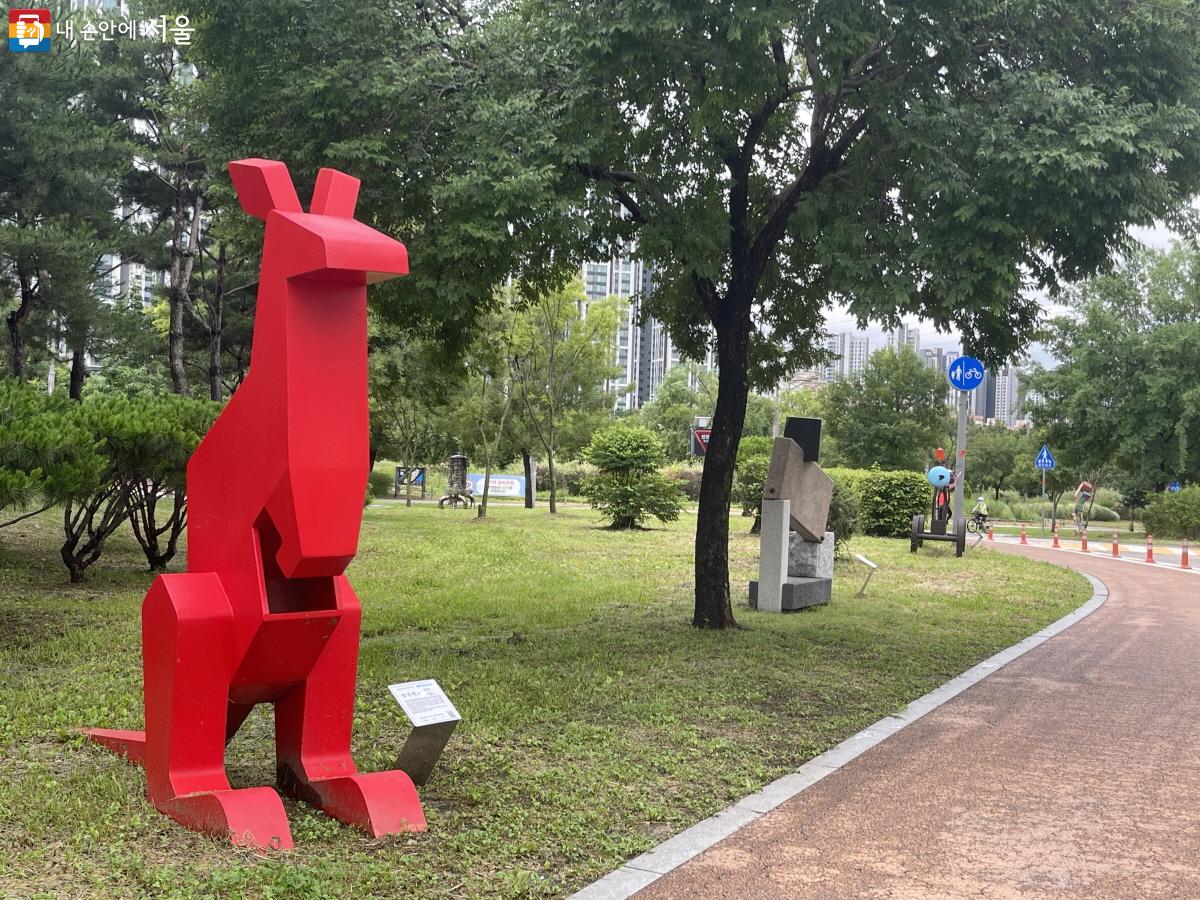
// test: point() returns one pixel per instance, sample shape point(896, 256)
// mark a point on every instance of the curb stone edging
point(643, 870)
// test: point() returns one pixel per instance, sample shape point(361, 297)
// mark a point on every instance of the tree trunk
point(553, 482)
point(179, 382)
point(14, 320)
point(481, 508)
point(182, 261)
point(215, 328)
point(713, 608)
point(527, 462)
point(78, 372)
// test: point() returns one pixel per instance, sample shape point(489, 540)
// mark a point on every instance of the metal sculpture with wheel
point(941, 480)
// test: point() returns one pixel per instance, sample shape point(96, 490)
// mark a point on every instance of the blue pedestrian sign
point(1174, 487)
point(1044, 459)
point(965, 373)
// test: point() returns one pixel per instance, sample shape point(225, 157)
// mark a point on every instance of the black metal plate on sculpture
point(807, 433)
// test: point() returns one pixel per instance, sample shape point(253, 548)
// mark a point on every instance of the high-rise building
point(905, 336)
point(644, 351)
point(848, 352)
point(983, 399)
point(621, 276)
point(1008, 385)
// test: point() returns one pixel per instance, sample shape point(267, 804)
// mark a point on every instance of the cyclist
point(1083, 494)
point(979, 515)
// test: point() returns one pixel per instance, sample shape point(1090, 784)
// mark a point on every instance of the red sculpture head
point(326, 243)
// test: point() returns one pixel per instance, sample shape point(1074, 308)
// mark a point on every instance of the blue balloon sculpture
point(938, 476)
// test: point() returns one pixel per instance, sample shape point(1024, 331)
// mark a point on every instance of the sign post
point(1044, 462)
point(965, 374)
point(701, 431)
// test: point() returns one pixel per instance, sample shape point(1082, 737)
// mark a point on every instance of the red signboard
point(702, 435)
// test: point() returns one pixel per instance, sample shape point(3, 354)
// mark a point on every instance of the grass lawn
point(597, 722)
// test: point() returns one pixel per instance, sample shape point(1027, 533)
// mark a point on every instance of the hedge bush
point(569, 474)
point(749, 479)
point(887, 499)
point(755, 445)
point(380, 485)
point(1174, 515)
point(686, 478)
point(843, 513)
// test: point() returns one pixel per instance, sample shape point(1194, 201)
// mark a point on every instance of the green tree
point(1115, 404)
point(919, 160)
point(45, 455)
point(683, 394)
point(409, 380)
point(891, 414)
point(629, 487)
point(991, 455)
point(155, 467)
point(560, 361)
point(61, 162)
point(436, 115)
point(141, 448)
point(484, 404)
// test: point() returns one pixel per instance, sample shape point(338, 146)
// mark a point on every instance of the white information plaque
point(424, 702)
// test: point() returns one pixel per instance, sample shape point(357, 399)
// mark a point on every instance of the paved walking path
point(1074, 771)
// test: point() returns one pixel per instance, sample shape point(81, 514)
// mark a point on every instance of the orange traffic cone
point(1183, 562)
point(1149, 548)
point(1024, 538)
point(1116, 548)
point(1083, 548)
point(1056, 545)
point(991, 533)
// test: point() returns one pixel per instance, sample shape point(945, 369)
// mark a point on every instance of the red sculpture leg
point(187, 648)
point(312, 740)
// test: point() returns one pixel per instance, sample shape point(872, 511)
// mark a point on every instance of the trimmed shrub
point(750, 477)
point(46, 455)
point(569, 474)
point(887, 500)
point(755, 445)
point(1103, 514)
point(629, 488)
point(143, 446)
point(380, 485)
point(843, 514)
point(1174, 515)
point(686, 478)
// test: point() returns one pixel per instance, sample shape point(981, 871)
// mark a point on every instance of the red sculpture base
point(264, 613)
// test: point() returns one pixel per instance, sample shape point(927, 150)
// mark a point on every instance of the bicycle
point(978, 523)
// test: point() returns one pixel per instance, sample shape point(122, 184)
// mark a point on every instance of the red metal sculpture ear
point(263, 185)
point(335, 194)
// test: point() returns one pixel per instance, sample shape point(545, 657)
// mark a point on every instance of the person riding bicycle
point(979, 517)
point(1083, 494)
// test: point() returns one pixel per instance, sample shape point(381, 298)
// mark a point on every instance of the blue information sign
point(965, 373)
point(1174, 487)
point(1044, 459)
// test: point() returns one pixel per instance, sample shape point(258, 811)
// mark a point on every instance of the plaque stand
point(423, 748)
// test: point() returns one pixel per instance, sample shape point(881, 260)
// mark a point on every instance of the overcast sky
point(839, 320)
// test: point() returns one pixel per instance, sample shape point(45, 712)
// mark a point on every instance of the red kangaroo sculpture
point(264, 613)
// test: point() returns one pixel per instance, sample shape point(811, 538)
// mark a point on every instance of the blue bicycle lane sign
point(965, 373)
